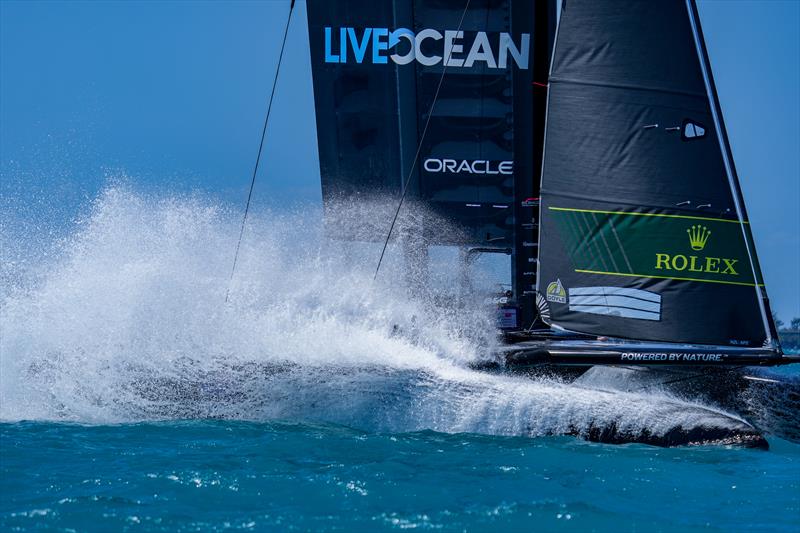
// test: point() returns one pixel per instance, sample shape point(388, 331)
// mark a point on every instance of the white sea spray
point(125, 320)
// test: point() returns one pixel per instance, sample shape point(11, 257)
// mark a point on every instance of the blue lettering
point(378, 45)
point(342, 45)
point(329, 57)
point(387, 45)
point(359, 48)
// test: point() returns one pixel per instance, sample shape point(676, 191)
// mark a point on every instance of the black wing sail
point(644, 234)
point(439, 94)
point(377, 68)
point(358, 111)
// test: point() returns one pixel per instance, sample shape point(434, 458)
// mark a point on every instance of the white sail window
point(693, 130)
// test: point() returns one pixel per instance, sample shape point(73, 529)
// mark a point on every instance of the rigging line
point(419, 147)
point(260, 149)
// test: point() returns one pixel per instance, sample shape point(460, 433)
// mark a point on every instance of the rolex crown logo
point(698, 236)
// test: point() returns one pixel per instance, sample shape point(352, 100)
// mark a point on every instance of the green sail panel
point(643, 229)
point(654, 246)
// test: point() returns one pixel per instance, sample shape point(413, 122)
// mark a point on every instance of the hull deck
point(550, 349)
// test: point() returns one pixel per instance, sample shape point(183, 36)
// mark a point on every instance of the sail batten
point(628, 86)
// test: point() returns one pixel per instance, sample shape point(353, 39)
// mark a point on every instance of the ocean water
point(219, 475)
point(132, 397)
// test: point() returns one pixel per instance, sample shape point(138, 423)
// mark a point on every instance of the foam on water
point(126, 320)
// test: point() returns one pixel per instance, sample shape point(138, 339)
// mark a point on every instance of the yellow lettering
point(694, 263)
point(679, 259)
point(662, 259)
point(729, 267)
point(712, 264)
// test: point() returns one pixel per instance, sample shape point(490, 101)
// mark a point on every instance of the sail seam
point(671, 202)
point(742, 283)
point(626, 86)
point(646, 214)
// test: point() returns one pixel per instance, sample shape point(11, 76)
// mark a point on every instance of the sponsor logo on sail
point(698, 237)
point(465, 166)
point(556, 293)
point(428, 47)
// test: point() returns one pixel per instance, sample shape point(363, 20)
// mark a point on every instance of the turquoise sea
point(134, 398)
point(214, 476)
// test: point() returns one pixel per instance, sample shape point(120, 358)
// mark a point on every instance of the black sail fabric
point(643, 233)
point(376, 70)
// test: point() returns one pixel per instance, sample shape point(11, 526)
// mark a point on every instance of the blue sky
point(172, 94)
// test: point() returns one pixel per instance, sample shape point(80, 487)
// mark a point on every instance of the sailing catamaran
point(587, 143)
point(594, 154)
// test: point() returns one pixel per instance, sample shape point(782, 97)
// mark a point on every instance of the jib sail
point(644, 233)
point(377, 70)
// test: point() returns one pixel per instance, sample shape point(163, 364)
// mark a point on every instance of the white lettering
point(433, 165)
point(477, 170)
point(685, 357)
point(464, 166)
point(394, 40)
point(507, 46)
point(421, 36)
point(450, 48)
point(405, 46)
point(481, 51)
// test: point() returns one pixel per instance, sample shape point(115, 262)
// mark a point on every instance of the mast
point(524, 265)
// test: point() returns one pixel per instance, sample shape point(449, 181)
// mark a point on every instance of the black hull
point(704, 406)
point(521, 352)
point(751, 400)
point(248, 391)
point(740, 437)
